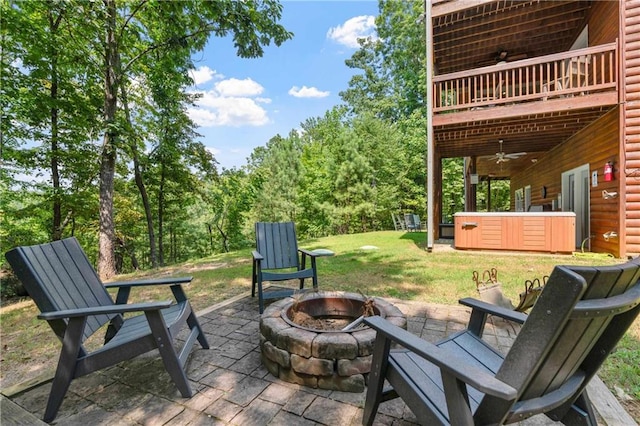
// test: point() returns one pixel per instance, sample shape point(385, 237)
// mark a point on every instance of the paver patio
point(230, 384)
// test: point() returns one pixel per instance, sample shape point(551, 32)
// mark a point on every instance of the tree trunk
point(56, 229)
point(161, 217)
point(174, 246)
point(225, 244)
point(210, 237)
point(56, 225)
point(140, 182)
point(106, 240)
point(147, 208)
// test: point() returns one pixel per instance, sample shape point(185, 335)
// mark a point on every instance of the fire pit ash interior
point(318, 339)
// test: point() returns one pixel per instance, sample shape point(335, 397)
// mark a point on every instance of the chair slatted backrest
point(59, 276)
point(276, 242)
point(569, 329)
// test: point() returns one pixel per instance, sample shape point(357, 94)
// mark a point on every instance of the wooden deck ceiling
point(470, 34)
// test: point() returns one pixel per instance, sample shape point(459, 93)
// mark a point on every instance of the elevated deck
point(586, 73)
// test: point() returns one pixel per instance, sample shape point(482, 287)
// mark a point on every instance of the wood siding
point(603, 22)
point(631, 124)
point(594, 145)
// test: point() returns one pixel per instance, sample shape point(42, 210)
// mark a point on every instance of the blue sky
point(245, 102)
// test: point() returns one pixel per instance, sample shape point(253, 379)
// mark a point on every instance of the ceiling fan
point(502, 157)
point(502, 56)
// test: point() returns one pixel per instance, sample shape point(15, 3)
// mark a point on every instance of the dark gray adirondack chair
point(577, 321)
point(65, 287)
point(277, 248)
point(410, 222)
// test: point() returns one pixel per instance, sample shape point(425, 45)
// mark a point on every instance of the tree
point(353, 189)
point(403, 50)
point(252, 23)
point(52, 109)
point(231, 198)
point(280, 170)
point(371, 91)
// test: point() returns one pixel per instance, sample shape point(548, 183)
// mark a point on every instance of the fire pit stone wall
point(335, 360)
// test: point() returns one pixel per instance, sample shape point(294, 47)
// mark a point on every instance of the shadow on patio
point(233, 387)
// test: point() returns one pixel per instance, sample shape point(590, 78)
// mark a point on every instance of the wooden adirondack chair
point(577, 321)
point(72, 299)
point(398, 223)
point(410, 222)
point(277, 248)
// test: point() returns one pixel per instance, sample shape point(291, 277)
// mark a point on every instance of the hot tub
point(552, 232)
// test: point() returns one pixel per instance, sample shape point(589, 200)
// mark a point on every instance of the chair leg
point(254, 279)
point(477, 321)
point(168, 353)
point(376, 379)
point(260, 297)
point(303, 265)
point(66, 367)
point(581, 412)
point(314, 279)
point(193, 322)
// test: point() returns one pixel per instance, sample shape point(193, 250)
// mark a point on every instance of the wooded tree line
point(94, 99)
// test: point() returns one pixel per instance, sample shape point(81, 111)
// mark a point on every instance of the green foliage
point(230, 199)
point(280, 171)
point(498, 199)
point(623, 367)
point(453, 192)
point(403, 51)
point(57, 104)
point(343, 172)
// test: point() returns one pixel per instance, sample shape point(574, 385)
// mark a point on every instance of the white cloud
point(204, 74)
point(216, 110)
point(235, 87)
point(202, 117)
point(348, 33)
point(231, 102)
point(212, 150)
point(307, 92)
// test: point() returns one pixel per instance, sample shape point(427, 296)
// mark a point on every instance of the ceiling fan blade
point(515, 155)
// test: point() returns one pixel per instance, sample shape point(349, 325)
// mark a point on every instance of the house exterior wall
point(598, 144)
point(593, 145)
point(630, 130)
point(603, 22)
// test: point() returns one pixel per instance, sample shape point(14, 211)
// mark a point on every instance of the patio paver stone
point(232, 385)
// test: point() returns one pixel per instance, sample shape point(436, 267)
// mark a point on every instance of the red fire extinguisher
point(608, 172)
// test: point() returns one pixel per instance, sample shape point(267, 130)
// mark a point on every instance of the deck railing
point(572, 73)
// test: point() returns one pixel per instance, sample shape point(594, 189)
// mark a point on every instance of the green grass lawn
point(399, 267)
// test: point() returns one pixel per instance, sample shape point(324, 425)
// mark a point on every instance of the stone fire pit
point(317, 357)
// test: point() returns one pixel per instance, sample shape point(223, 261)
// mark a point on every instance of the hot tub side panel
point(521, 232)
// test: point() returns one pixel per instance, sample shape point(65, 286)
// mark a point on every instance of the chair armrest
point(124, 287)
point(256, 255)
point(444, 359)
point(99, 310)
point(141, 283)
point(499, 311)
point(308, 252)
